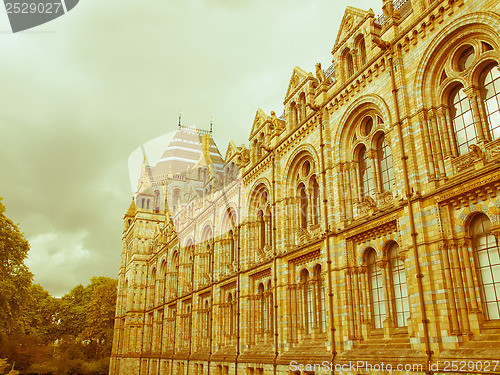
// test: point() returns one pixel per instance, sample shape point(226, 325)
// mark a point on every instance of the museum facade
point(361, 226)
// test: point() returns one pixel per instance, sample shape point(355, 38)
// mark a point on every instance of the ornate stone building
point(360, 227)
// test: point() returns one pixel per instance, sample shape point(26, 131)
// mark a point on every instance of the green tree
point(15, 278)
point(75, 304)
point(40, 314)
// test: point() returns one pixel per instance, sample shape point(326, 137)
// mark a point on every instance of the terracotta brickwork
point(363, 225)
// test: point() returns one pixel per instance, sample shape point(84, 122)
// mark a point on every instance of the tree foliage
point(46, 335)
point(15, 278)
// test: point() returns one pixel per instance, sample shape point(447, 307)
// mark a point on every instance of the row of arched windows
point(386, 288)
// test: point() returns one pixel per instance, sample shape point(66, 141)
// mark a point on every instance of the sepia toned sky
point(80, 93)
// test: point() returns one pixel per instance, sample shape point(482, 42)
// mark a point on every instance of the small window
point(366, 126)
point(350, 65)
point(384, 156)
point(465, 58)
point(306, 168)
point(362, 51)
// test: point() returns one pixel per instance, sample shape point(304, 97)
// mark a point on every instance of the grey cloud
point(79, 94)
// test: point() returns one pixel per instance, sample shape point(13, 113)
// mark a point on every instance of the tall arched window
point(384, 157)
point(294, 114)
point(463, 122)
point(491, 89)
point(303, 206)
point(231, 247)
point(262, 229)
point(400, 301)
point(174, 282)
point(302, 101)
point(262, 309)
point(177, 199)
point(316, 201)
point(206, 328)
point(365, 173)
point(349, 65)
point(321, 299)
point(376, 285)
point(362, 50)
point(487, 255)
point(231, 316)
point(157, 200)
point(308, 297)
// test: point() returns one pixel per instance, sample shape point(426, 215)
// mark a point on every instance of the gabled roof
point(353, 18)
point(298, 76)
point(258, 122)
point(231, 150)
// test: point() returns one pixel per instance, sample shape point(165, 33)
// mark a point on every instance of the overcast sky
point(80, 93)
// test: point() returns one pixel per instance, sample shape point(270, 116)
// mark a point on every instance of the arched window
point(206, 328)
point(231, 246)
point(362, 50)
point(302, 101)
point(308, 297)
point(270, 309)
point(303, 206)
point(152, 288)
point(262, 309)
point(376, 285)
point(463, 122)
point(295, 114)
point(231, 315)
point(157, 200)
point(262, 229)
point(321, 298)
point(400, 301)
point(174, 282)
point(491, 90)
point(365, 173)
point(177, 199)
point(384, 157)
point(349, 65)
point(316, 202)
point(487, 255)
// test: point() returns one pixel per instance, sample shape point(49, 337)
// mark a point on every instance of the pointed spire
point(211, 123)
point(180, 113)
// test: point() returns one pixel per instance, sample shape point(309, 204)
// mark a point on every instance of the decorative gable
point(259, 121)
point(352, 21)
point(231, 151)
point(298, 77)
